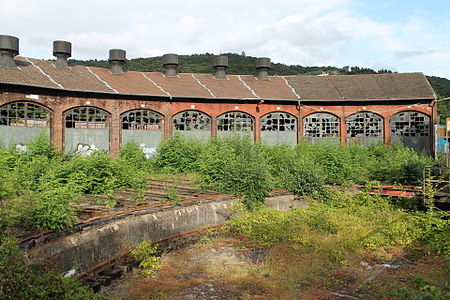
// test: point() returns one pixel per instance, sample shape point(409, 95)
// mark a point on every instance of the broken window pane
point(364, 124)
point(235, 121)
point(191, 120)
point(278, 121)
point(141, 120)
point(86, 117)
point(321, 125)
point(410, 123)
point(24, 114)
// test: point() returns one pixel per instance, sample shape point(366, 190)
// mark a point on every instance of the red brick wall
point(58, 105)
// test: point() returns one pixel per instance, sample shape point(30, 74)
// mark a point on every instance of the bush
point(295, 171)
point(349, 223)
point(133, 155)
point(398, 164)
point(236, 165)
point(178, 154)
point(145, 254)
point(18, 281)
point(335, 161)
point(51, 184)
point(41, 146)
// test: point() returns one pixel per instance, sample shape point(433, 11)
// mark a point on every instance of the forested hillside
point(241, 64)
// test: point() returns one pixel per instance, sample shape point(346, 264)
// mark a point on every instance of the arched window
point(412, 128)
point(321, 127)
point(20, 122)
point(86, 130)
point(279, 128)
point(141, 120)
point(278, 121)
point(192, 123)
point(235, 123)
point(143, 127)
point(24, 114)
point(86, 117)
point(364, 128)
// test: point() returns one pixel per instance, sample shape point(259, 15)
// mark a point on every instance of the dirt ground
point(221, 268)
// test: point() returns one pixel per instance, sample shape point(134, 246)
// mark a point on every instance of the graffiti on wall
point(85, 149)
point(149, 152)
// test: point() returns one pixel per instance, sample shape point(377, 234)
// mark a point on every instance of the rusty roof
point(43, 73)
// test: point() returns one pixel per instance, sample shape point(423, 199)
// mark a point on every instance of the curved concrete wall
point(86, 248)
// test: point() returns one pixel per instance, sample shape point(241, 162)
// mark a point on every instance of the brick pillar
point(213, 126)
point(167, 110)
point(57, 128)
point(299, 124)
point(257, 129)
point(114, 133)
point(343, 130)
point(387, 130)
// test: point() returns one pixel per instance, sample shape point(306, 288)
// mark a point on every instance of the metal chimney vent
point(117, 58)
point(263, 66)
point(170, 64)
point(62, 50)
point(220, 64)
point(9, 47)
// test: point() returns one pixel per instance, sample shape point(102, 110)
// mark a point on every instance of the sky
point(403, 36)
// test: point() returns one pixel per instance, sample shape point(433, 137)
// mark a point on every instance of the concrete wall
point(89, 247)
point(20, 135)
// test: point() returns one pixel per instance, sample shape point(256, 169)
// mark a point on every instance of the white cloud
point(311, 32)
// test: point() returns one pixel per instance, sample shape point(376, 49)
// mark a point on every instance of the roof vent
point(263, 67)
point(220, 64)
point(9, 47)
point(62, 50)
point(170, 64)
point(117, 59)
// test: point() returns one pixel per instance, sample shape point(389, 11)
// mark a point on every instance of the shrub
point(236, 165)
point(335, 161)
point(350, 223)
point(18, 281)
point(398, 164)
point(133, 154)
point(41, 145)
point(304, 178)
point(295, 171)
point(178, 154)
point(54, 207)
point(145, 253)
point(51, 184)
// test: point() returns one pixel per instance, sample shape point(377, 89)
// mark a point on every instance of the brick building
point(89, 107)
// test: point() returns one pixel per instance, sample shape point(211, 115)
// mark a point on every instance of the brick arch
point(322, 112)
point(196, 110)
point(142, 121)
point(28, 101)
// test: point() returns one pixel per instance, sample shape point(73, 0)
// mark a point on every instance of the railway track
point(93, 215)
